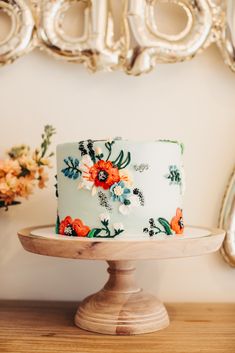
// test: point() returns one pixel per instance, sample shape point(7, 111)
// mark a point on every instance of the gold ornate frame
point(227, 222)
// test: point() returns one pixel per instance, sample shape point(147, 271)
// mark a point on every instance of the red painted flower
point(104, 174)
point(67, 222)
point(81, 229)
point(74, 228)
point(177, 222)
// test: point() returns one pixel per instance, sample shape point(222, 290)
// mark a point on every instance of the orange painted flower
point(67, 222)
point(177, 222)
point(74, 228)
point(81, 229)
point(104, 174)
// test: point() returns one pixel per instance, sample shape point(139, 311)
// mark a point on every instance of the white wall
point(193, 102)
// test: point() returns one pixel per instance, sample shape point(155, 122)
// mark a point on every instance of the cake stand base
point(121, 307)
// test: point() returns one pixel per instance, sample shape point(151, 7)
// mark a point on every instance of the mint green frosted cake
point(119, 189)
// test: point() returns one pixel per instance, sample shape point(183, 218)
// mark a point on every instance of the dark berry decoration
point(91, 150)
point(151, 222)
point(140, 195)
point(82, 149)
point(135, 191)
point(103, 200)
point(127, 202)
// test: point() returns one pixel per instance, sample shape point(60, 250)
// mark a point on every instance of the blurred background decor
point(227, 222)
point(24, 169)
point(133, 43)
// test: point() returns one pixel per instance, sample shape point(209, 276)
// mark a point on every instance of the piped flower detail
point(101, 174)
point(119, 192)
point(177, 222)
point(118, 228)
point(74, 228)
point(94, 171)
point(66, 228)
point(104, 174)
point(86, 182)
point(176, 226)
point(129, 204)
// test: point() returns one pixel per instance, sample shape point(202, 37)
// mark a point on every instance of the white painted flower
point(85, 163)
point(126, 209)
point(85, 182)
point(118, 226)
point(118, 190)
point(104, 217)
point(98, 151)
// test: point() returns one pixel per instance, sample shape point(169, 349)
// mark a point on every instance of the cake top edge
point(119, 139)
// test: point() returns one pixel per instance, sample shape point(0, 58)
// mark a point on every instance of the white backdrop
point(192, 102)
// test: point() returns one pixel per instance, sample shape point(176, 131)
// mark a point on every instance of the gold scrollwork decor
point(227, 39)
point(141, 44)
point(227, 222)
point(20, 39)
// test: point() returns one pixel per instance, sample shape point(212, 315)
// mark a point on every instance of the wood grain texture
point(121, 307)
point(47, 327)
point(111, 250)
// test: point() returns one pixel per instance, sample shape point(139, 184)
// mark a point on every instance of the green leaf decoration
point(126, 162)
point(105, 222)
point(118, 160)
point(174, 175)
point(181, 145)
point(109, 145)
point(165, 225)
point(117, 232)
point(94, 232)
point(57, 226)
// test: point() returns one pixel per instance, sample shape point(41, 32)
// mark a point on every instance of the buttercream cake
point(119, 188)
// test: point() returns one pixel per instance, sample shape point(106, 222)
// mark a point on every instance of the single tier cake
point(118, 188)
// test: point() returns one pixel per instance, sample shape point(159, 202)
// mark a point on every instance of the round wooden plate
point(195, 241)
point(121, 307)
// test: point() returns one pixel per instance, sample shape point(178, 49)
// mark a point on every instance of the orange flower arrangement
point(103, 174)
point(73, 227)
point(177, 223)
point(23, 168)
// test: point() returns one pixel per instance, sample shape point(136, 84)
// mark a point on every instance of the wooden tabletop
point(36, 327)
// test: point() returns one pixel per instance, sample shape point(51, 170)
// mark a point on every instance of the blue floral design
point(120, 193)
point(72, 170)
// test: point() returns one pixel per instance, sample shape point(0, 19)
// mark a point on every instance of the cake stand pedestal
point(121, 307)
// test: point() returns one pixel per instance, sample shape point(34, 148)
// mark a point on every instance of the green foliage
point(41, 153)
point(163, 226)
point(120, 162)
point(166, 225)
point(174, 175)
point(109, 145)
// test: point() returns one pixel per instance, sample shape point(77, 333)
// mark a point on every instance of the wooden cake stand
point(121, 307)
